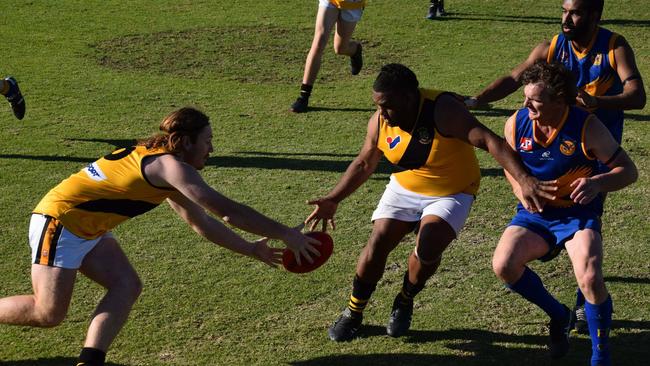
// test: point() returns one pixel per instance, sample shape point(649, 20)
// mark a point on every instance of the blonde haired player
point(70, 229)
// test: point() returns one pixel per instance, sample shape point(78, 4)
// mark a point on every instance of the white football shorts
point(53, 245)
point(352, 16)
point(401, 204)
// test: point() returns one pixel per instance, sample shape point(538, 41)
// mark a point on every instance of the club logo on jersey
point(598, 59)
point(567, 147)
point(526, 144)
point(392, 142)
point(546, 155)
point(94, 173)
point(423, 136)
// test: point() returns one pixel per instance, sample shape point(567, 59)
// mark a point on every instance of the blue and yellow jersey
point(433, 165)
point(104, 193)
point(595, 72)
point(349, 4)
point(563, 156)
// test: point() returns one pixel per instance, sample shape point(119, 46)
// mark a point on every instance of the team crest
point(567, 147)
point(423, 136)
point(393, 141)
point(526, 144)
point(598, 59)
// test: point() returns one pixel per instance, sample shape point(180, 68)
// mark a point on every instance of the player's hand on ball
point(301, 245)
point(324, 213)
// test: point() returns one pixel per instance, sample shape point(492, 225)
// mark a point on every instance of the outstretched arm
point(456, 121)
point(356, 174)
point(508, 84)
point(169, 170)
point(220, 234)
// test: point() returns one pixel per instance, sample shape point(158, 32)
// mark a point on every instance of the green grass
point(98, 74)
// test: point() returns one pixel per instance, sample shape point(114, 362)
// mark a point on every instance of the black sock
point(305, 91)
point(409, 290)
point(92, 356)
point(361, 293)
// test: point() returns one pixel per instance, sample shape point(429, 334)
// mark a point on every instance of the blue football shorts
point(556, 228)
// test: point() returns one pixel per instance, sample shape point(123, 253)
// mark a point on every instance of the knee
point(378, 246)
point(503, 268)
point(49, 318)
point(129, 288)
point(318, 45)
point(590, 281)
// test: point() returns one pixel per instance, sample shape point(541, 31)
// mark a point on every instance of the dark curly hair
point(557, 79)
point(395, 77)
point(182, 122)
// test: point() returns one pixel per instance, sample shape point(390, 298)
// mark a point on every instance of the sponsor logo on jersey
point(546, 155)
point(393, 141)
point(526, 144)
point(94, 173)
point(567, 147)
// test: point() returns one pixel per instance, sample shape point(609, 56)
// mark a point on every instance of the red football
point(326, 248)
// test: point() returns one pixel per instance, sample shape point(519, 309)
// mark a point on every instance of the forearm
point(249, 220)
point(356, 174)
point(516, 188)
point(616, 179)
point(624, 101)
point(221, 235)
point(498, 90)
point(507, 158)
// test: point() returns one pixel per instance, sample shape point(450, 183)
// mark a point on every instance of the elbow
point(642, 101)
point(634, 174)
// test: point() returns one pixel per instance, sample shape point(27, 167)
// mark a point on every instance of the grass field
point(99, 74)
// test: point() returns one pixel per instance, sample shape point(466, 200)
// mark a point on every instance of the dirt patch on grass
point(261, 54)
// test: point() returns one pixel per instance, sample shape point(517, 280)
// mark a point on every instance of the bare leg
point(386, 234)
point(434, 236)
point(325, 20)
point(107, 265)
point(343, 44)
point(48, 306)
point(586, 253)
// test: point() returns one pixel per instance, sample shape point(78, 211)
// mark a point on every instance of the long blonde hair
point(186, 121)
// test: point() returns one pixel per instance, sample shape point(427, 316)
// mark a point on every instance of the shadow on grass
point(327, 109)
point(627, 279)
point(262, 160)
point(479, 347)
point(534, 19)
point(54, 361)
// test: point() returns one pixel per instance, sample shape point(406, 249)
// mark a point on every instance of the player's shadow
point(535, 19)
point(339, 109)
point(500, 18)
point(627, 279)
point(53, 361)
point(636, 117)
point(485, 348)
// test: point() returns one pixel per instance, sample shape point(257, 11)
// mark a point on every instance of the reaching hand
point(266, 254)
point(301, 245)
point(584, 190)
point(324, 212)
point(586, 100)
point(534, 193)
